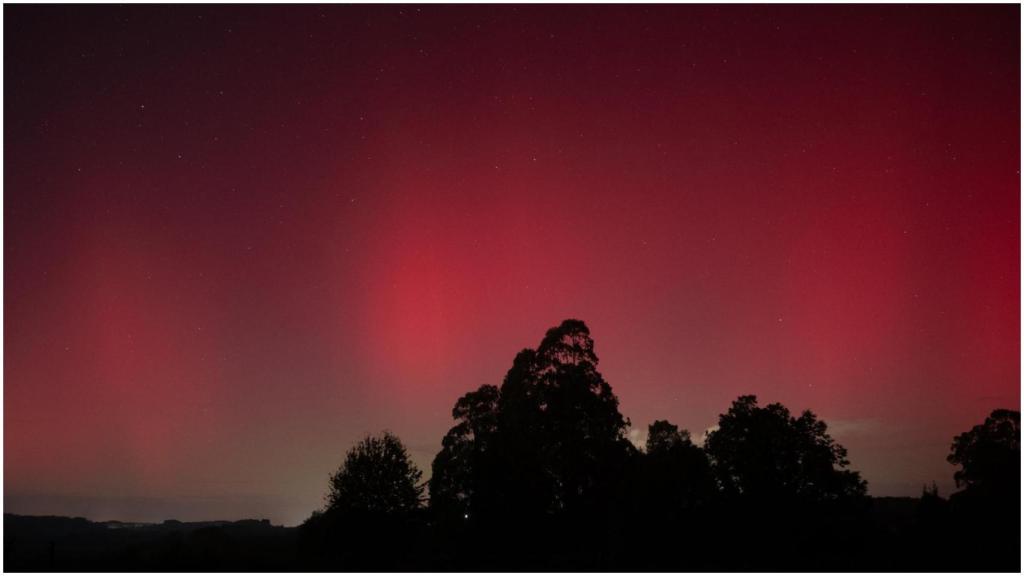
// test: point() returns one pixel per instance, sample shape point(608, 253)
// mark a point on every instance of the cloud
point(855, 427)
point(698, 439)
point(638, 436)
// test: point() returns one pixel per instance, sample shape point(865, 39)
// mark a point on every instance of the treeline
point(538, 474)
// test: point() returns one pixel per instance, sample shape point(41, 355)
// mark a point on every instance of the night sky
point(236, 239)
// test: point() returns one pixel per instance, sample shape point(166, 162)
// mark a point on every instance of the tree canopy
point(676, 474)
point(376, 477)
point(663, 436)
point(765, 453)
point(540, 443)
point(989, 454)
point(462, 450)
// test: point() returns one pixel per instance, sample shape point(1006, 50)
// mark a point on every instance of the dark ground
point(59, 544)
point(893, 534)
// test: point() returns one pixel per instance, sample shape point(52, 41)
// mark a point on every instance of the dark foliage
point(542, 445)
point(985, 514)
point(377, 477)
point(463, 452)
point(537, 474)
point(373, 513)
point(989, 454)
point(675, 472)
point(766, 455)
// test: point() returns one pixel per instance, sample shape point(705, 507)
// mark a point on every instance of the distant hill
point(56, 543)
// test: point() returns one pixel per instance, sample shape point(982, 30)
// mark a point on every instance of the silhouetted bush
point(373, 513)
point(377, 477)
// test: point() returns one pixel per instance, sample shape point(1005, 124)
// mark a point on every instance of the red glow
point(236, 243)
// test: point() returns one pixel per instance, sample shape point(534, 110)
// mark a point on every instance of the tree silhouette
point(371, 518)
point(677, 474)
point(989, 454)
point(462, 452)
point(663, 436)
point(765, 454)
point(931, 508)
point(541, 444)
point(583, 431)
point(986, 512)
point(377, 477)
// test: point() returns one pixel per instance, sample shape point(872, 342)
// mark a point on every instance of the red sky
point(239, 238)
